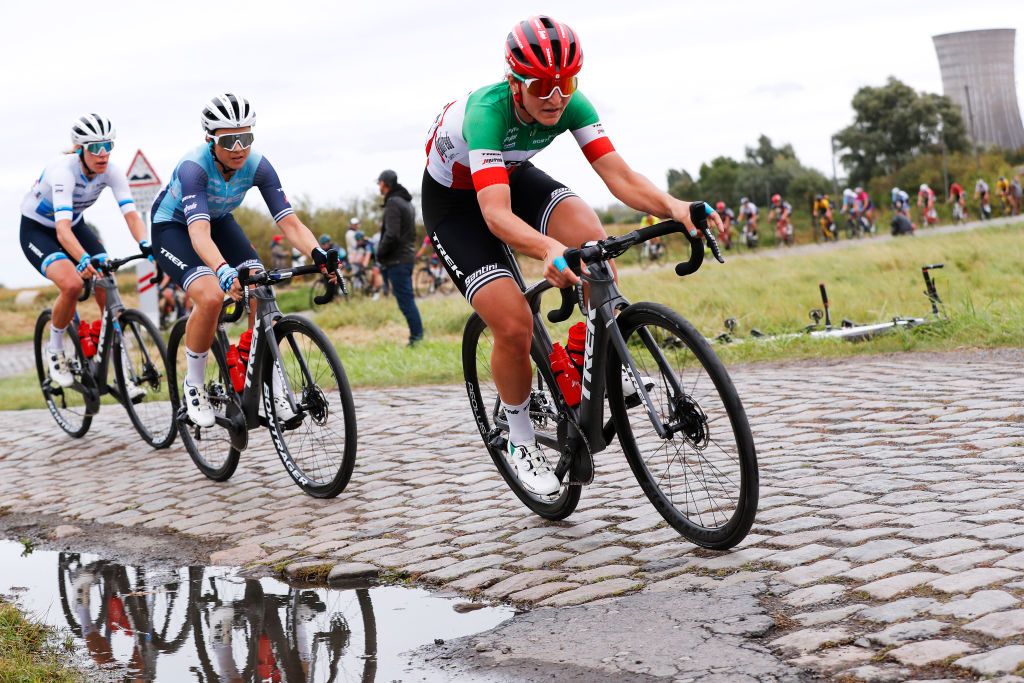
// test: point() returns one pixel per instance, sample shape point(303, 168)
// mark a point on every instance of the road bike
point(827, 229)
point(653, 252)
point(432, 277)
point(134, 344)
point(677, 416)
point(317, 440)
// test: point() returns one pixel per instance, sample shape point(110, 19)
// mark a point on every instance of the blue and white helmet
point(92, 128)
point(227, 111)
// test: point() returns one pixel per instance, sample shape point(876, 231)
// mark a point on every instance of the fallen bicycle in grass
point(847, 330)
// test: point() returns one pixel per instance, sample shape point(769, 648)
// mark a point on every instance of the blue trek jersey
point(197, 190)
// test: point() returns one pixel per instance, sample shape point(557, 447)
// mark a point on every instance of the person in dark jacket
point(397, 250)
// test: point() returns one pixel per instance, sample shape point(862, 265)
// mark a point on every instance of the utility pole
point(945, 167)
point(835, 180)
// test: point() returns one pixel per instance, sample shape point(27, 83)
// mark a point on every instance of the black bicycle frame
point(97, 367)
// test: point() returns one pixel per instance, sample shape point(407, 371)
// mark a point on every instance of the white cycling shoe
point(197, 404)
point(532, 469)
point(628, 390)
point(282, 409)
point(60, 369)
point(133, 390)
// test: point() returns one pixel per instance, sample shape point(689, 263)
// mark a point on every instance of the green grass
point(871, 281)
point(26, 656)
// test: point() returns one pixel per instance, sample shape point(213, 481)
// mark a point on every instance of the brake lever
point(709, 235)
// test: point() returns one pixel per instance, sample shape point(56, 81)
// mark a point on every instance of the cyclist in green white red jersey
point(483, 196)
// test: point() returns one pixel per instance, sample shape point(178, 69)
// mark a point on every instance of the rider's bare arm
point(637, 192)
point(298, 234)
point(135, 225)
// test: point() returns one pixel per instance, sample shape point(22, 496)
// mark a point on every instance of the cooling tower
point(977, 73)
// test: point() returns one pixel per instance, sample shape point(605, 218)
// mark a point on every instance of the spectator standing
point(350, 234)
point(1016, 194)
point(397, 248)
point(280, 256)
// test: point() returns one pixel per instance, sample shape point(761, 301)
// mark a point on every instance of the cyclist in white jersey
point(54, 235)
point(482, 196)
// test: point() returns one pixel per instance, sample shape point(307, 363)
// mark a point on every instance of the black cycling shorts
point(469, 251)
point(175, 255)
point(42, 248)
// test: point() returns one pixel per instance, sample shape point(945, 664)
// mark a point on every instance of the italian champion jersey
point(62, 192)
point(475, 141)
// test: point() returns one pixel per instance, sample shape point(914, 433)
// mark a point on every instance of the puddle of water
point(208, 624)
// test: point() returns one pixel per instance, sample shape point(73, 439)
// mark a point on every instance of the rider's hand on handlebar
point(320, 257)
point(84, 267)
point(235, 291)
point(558, 275)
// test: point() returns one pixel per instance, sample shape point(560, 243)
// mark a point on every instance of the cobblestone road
point(890, 530)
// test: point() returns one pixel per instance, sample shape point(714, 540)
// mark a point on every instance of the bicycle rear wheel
point(318, 289)
point(703, 479)
point(317, 446)
point(477, 346)
point(210, 448)
point(151, 413)
point(66, 405)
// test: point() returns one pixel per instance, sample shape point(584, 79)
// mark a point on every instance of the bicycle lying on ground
point(137, 349)
point(315, 436)
point(675, 411)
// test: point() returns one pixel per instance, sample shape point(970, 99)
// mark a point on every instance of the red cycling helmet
point(720, 207)
point(776, 198)
point(541, 47)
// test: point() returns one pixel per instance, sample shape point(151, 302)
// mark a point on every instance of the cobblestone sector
point(891, 519)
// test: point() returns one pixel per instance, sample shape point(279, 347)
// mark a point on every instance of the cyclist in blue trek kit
point(55, 236)
point(482, 196)
point(199, 244)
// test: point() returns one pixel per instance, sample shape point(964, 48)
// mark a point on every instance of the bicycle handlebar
point(615, 246)
point(106, 268)
point(270, 277)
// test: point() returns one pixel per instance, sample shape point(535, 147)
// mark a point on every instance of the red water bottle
point(566, 375)
point(94, 330)
point(576, 343)
point(244, 345)
point(85, 339)
point(235, 369)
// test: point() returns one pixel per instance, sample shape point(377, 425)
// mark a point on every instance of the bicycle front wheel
point(140, 363)
point(210, 448)
point(66, 405)
point(477, 347)
point(318, 445)
point(423, 282)
point(703, 477)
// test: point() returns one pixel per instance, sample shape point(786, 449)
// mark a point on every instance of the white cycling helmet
point(92, 128)
point(849, 193)
point(227, 111)
point(924, 187)
point(353, 221)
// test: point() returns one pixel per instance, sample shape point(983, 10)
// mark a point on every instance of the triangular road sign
point(141, 173)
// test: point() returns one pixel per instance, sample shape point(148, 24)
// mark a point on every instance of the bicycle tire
point(699, 416)
point(308, 470)
point(317, 289)
point(550, 507)
point(423, 282)
point(132, 324)
point(74, 422)
point(220, 381)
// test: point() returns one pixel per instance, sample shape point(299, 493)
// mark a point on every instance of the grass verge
point(869, 282)
point(26, 656)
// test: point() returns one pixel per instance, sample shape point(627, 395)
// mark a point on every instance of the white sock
point(196, 374)
point(57, 338)
point(520, 427)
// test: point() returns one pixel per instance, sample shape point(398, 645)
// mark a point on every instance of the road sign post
point(145, 185)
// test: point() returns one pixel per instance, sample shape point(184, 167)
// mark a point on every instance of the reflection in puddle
point(206, 624)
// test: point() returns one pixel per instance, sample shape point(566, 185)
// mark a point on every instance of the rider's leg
point(70, 284)
point(572, 223)
point(207, 298)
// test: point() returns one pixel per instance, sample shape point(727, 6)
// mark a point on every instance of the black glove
point(325, 259)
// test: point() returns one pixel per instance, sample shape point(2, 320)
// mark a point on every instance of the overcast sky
point(344, 90)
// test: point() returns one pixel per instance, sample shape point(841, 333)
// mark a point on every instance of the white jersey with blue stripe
point(62, 192)
point(198, 190)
